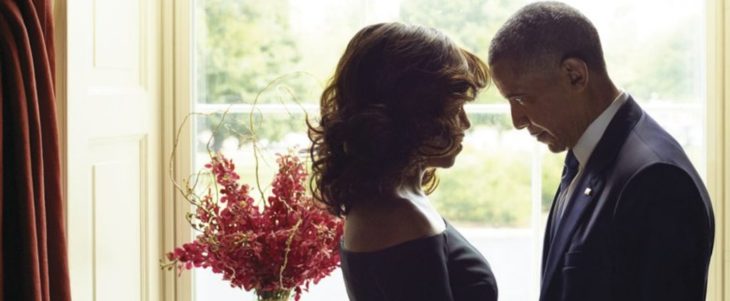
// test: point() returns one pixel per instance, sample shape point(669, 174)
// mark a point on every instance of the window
point(500, 189)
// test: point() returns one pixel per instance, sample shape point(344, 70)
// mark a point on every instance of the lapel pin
point(588, 191)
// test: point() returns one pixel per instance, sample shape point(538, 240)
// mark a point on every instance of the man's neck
point(602, 95)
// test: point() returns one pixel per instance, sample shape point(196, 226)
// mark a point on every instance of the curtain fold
point(34, 256)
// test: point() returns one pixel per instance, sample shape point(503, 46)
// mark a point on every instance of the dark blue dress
point(443, 267)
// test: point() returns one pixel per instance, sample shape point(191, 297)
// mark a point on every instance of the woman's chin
point(443, 162)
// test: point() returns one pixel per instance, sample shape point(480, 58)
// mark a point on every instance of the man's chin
point(556, 148)
point(551, 143)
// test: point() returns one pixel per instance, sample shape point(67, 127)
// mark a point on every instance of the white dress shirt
point(588, 141)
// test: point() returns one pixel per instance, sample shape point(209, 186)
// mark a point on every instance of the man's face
point(539, 102)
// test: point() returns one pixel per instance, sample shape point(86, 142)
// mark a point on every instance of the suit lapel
point(593, 178)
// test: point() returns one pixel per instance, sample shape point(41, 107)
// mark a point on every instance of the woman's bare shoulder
point(376, 229)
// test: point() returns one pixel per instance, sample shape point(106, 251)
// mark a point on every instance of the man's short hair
point(542, 34)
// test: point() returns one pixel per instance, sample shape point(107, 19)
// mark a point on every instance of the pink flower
point(289, 244)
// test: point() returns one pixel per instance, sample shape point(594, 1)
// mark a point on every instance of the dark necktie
point(570, 169)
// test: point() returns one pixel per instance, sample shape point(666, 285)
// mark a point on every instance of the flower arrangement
point(275, 248)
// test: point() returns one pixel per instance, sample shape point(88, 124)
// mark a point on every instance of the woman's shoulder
point(379, 229)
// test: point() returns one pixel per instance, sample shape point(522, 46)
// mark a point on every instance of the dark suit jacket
point(644, 231)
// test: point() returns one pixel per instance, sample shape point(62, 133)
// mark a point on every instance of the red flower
point(289, 244)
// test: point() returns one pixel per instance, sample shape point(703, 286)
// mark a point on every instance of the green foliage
point(552, 169)
point(493, 187)
point(486, 188)
point(241, 47)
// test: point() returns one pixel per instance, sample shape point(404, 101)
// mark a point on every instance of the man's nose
point(519, 118)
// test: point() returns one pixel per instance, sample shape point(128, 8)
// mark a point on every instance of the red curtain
point(34, 262)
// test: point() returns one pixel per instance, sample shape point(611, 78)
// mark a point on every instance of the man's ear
point(576, 72)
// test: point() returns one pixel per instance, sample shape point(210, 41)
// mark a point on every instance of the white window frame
point(718, 131)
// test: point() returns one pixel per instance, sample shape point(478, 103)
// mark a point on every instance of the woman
point(392, 113)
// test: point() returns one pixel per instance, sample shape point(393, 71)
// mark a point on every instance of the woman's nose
point(464, 118)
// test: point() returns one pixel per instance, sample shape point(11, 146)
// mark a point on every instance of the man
point(632, 219)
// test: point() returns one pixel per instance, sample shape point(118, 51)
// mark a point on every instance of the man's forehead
point(506, 76)
point(514, 74)
point(509, 71)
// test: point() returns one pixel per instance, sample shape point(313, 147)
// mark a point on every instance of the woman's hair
point(394, 101)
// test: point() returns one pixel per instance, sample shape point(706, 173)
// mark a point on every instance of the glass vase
point(275, 295)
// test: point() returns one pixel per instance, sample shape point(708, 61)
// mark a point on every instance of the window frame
point(718, 154)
